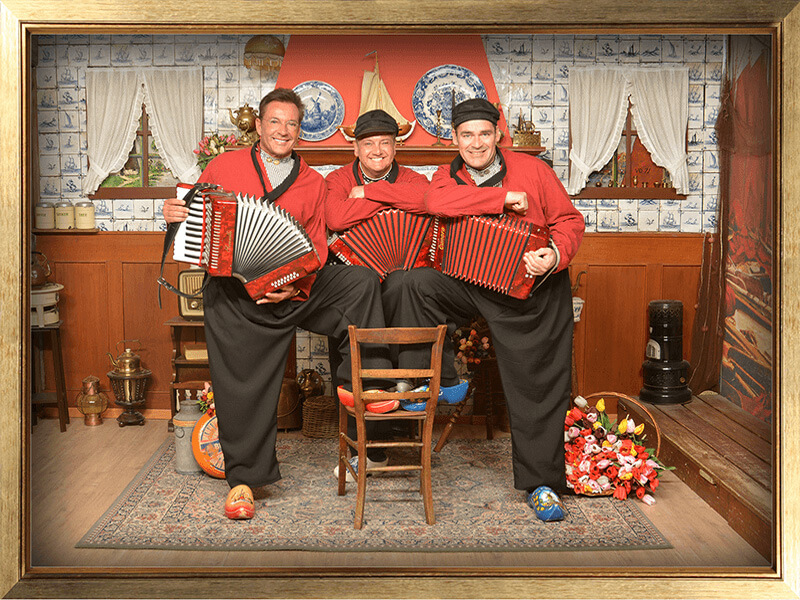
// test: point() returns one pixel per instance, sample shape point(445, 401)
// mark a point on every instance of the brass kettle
point(127, 363)
point(40, 269)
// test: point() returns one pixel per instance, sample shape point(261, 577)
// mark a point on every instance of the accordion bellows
point(234, 236)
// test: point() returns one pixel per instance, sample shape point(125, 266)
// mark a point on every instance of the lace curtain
point(174, 101)
point(598, 105)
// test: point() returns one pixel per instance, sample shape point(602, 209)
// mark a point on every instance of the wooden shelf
point(630, 193)
point(61, 231)
point(406, 155)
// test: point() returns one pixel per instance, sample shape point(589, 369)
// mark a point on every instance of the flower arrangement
point(471, 347)
point(608, 458)
point(206, 400)
point(211, 146)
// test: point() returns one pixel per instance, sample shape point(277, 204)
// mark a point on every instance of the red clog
point(240, 503)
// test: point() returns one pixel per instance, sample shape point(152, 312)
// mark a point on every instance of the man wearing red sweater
point(532, 337)
point(248, 342)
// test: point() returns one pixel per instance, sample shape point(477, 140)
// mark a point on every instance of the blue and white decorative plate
point(435, 90)
point(324, 110)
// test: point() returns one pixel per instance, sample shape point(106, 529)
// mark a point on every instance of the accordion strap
point(270, 197)
point(172, 230)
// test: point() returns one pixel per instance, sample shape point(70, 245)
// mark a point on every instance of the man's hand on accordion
point(538, 262)
point(285, 293)
point(175, 210)
point(516, 202)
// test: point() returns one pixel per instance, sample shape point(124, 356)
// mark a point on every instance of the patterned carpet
point(475, 505)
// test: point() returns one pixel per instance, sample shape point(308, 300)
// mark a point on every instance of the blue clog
point(546, 504)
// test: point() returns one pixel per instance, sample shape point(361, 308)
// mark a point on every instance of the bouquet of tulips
point(206, 400)
point(471, 346)
point(211, 146)
point(608, 458)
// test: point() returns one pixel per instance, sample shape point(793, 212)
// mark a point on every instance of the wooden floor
point(76, 476)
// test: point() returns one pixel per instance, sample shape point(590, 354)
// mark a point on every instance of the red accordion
point(233, 236)
point(487, 251)
point(389, 240)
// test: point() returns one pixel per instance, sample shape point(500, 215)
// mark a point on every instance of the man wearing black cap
point(532, 337)
point(371, 183)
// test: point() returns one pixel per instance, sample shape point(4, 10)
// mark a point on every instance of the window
point(144, 174)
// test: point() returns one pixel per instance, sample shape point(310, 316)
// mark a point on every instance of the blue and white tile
point(67, 77)
point(82, 121)
point(71, 186)
point(47, 56)
point(185, 54)
point(561, 70)
point(49, 143)
point(695, 183)
point(694, 48)
point(670, 204)
point(71, 164)
point(318, 345)
point(561, 116)
point(99, 38)
point(210, 99)
point(629, 49)
point(696, 95)
point(123, 209)
point(496, 46)
point(542, 116)
point(210, 76)
point(228, 97)
point(711, 161)
point(62, 56)
point(303, 364)
point(104, 209)
point(49, 165)
point(500, 69)
point(520, 93)
point(542, 72)
point(158, 208)
point(142, 55)
point(48, 121)
point(83, 141)
point(68, 98)
point(695, 139)
point(696, 117)
point(322, 367)
point(47, 39)
point(694, 161)
point(715, 48)
point(692, 202)
point(628, 204)
point(647, 220)
point(121, 55)
point(691, 221)
point(68, 120)
point(142, 225)
point(710, 115)
point(143, 209)
point(561, 94)
point(607, 220)
point(669, 220)
point(710, 183)
point(650, 49)
point(46, 77)
point(543, 94)
point(713, 94)
point(585, 49)
point(519, 72)
point(697, 72)
point(159, 225)
point(520, 48)
point(100, 55)
point(78, 56)
point(648, 204)
point(671, 48)
point(589, 219)
point(710, 202)
point(124, 225)
point(163, 38)
point(206, 54)
point(103, 224)
point(714, 72)
point(710, 222)
point(543, 48)
point(50, 187)
point(607, 49)
point(629, 220)
point(46, 100)
point(164, 55)
point(561, 155)
point(608, 203)
point(561, 137)
point(123, 39)
point(563, 174)
point(585, 203)
point(564, 47)
point(710, 141)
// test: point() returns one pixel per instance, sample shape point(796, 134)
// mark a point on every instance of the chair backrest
point(434, 336)
point(191, 389)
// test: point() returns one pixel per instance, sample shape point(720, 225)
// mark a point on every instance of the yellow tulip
point(625, 476)
point(639, 429)
point(601, 405)
point(623, 425)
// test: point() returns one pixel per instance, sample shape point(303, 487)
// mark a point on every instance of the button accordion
point(390, 240)
point(239, 236)
point(487, 251)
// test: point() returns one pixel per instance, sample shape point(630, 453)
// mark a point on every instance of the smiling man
point(248, 342)
point(532, 337)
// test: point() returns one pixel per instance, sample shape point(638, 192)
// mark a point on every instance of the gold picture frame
point(19, 19)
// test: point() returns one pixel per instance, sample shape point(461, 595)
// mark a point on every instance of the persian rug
point(475, 506)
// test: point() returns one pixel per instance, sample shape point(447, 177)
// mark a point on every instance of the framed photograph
point(574, 30)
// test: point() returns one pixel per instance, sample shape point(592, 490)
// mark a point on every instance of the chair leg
point(455, 414)
point(425, 475)
point(342, 449)
point(61, 388)
point(361, 493)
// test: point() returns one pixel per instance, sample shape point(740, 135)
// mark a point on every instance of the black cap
point(474, 109)
point(375, 121)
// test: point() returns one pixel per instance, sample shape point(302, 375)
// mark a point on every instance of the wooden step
point(723, 453)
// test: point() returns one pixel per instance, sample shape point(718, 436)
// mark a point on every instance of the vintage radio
point(190, 282)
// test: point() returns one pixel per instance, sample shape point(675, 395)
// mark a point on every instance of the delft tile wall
point(531, 73)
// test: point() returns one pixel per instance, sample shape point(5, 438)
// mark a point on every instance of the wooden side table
point(183, 331)
point(38, 396)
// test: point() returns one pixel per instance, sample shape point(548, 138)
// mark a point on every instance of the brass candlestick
point(438, 141)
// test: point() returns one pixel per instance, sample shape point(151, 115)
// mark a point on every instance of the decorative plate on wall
point(436, 90)
point(324, 110)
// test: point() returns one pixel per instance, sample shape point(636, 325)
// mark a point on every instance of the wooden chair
point(422, 441)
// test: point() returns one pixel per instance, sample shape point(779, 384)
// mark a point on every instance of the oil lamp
point(91, 402)
point(128, 381)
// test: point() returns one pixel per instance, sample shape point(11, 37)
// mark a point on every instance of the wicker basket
point(321, 417)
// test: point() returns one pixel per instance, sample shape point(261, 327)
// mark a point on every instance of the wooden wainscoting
point(110, 295)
